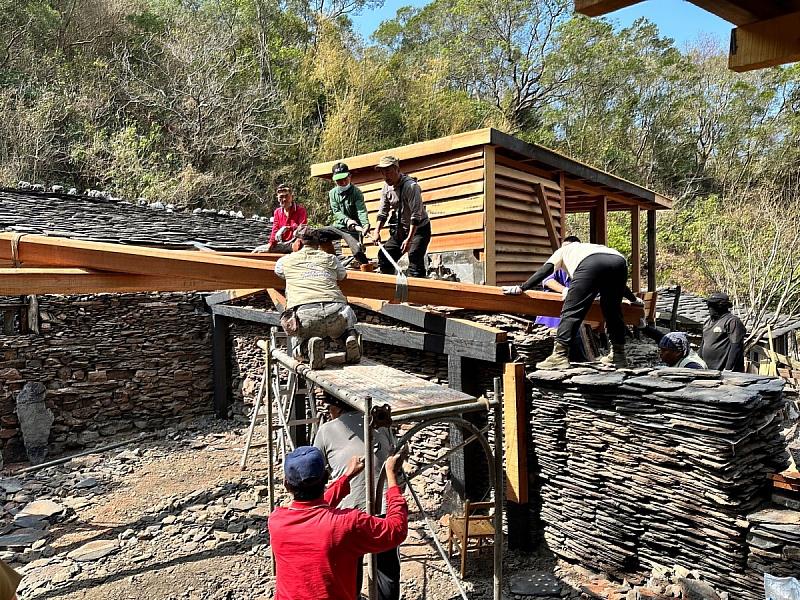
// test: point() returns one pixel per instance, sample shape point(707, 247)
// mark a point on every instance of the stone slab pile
point(650, 468)
point(774, 542)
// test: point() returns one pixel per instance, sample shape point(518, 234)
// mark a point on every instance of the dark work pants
point(388, 564)
point(416, 251)
point(607, 275)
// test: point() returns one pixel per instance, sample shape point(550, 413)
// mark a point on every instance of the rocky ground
point(174, 518)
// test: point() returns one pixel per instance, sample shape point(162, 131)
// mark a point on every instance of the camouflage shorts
point(325, 320)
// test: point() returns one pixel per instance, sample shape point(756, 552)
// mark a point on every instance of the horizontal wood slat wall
point(522, 243)
point(452, 190)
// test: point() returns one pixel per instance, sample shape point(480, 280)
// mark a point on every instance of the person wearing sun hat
point(316, 545)
point(409, 226)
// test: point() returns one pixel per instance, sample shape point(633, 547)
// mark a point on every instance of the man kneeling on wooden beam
point(593, 269)
point(315, 306)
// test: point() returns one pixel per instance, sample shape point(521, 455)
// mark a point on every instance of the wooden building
point(765, 34)
point(505, 201)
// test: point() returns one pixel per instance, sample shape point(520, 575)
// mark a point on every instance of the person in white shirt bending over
point(593, 269)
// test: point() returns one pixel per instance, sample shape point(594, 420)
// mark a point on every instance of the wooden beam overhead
point(765, 43)
point(596, 8)
point(743, 12)
point(19, 281)
point(229, 272)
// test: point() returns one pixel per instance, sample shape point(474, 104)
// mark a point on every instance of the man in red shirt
point(316, 546)
point(285, 221)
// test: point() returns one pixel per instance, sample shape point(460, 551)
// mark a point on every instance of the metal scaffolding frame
point(279, 385)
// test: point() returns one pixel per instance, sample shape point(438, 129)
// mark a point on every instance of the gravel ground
point(174, 518)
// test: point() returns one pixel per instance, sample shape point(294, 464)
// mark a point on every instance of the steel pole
point(369, 484)
point(499, 490)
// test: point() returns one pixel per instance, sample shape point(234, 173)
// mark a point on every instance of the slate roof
point(105, 219)
point(692, 312)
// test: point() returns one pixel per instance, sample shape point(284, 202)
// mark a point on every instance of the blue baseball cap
point(302, 465)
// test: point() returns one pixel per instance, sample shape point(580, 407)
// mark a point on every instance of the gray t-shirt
point(343, 438)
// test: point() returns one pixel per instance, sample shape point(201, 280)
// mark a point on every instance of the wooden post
point(515, 438)
point(636, 251)
point(219, 360)
point(563, 185)
point(516, 450)
point(467, 463)
point(457, 469)
point(488, 212)
point(651, 250)
point(601, 221)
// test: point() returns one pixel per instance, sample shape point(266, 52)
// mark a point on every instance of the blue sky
point(678, 19)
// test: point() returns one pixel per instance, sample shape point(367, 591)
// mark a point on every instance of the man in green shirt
point(349, 211)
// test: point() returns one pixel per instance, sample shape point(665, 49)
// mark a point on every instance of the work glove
point(280, 232)
point(512, 290)
point(564, 293)
point(352, 224)
point(639, 302)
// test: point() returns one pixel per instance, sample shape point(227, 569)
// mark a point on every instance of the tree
point(496, 50)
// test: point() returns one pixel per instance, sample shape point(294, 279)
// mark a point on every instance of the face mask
point(344, 188)
point(716, 310)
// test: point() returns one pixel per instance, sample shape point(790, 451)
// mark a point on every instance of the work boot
point(316, 353)
point(616, 357)
point(559, 359)
point(352, 348)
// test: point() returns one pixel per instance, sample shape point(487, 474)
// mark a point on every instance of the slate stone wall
point(111, 363)
point(649, 468)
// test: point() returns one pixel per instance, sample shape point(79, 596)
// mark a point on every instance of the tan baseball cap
point(387, 161)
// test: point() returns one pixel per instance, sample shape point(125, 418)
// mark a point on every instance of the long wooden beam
point(19, 281)
point(230, 272)
point(766, 43)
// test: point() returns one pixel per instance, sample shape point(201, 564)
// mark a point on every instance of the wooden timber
point(765, 43)
point(20, 281)
point(515, 421)
point(231, 272)
point(765, 36)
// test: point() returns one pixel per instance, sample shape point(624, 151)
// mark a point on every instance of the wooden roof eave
point(601, 181)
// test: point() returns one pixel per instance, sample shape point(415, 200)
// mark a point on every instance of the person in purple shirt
point(557, 282)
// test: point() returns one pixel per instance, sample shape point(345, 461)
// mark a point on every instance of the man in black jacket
point(722, 347)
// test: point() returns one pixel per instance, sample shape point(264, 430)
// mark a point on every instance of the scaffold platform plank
point(403, 392)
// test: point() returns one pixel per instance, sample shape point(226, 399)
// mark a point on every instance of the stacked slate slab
point(100, 219)
point(653, 468)
point(774, 542)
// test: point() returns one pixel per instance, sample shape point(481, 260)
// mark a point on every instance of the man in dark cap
point(410, 228)
point(316, 545)
point(316, 308)
point(722, 347)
